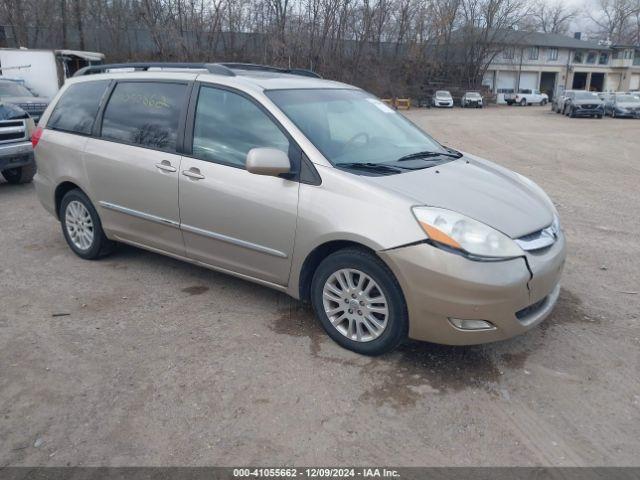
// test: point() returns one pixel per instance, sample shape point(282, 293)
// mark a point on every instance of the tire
point(523, 103)
point(599, 116)
point(572, 113)
point(613, 114)
point(19, 175)
point(354, 261)
point(99, 245)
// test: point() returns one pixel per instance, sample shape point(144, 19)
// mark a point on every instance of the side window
point(76, 110)
point(228, 125)
point(144, 114)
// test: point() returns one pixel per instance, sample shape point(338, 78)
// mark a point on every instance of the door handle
point(166, 166)
point(193, 173)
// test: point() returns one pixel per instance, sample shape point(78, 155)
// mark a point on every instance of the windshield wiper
point(374, 167)
point(427, 154)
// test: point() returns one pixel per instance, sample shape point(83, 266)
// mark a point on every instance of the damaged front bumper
point(442, 288)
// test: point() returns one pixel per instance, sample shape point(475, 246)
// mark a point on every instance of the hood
point(11, 112)
point(478, 189)
point(588, 101)
point(23, 100)
point(628, 104)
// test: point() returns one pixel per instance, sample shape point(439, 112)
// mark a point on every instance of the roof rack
point(267, 68)
point(216, 68)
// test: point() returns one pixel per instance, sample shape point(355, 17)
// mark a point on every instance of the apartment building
point(553, 63)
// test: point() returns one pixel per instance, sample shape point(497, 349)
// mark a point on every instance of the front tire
point(19, 175)
point(523, 103)
point(359, 302)
point(82, 228)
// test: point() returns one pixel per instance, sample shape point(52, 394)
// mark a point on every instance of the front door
point(133, 166)
point(230, 218)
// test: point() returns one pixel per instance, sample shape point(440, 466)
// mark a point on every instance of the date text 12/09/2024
point(315, 473)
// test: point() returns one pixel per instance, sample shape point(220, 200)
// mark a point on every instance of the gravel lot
point(139, 359)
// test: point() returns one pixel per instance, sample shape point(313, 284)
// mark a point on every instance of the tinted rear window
point(145, 114)
point(76, 110)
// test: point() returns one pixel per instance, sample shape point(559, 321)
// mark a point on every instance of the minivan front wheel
point(359, 302)
point(82, 228)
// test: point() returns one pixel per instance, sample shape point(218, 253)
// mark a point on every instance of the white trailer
point(44, 71)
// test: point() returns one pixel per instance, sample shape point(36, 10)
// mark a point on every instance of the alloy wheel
point(79, 225)
point(355, 305)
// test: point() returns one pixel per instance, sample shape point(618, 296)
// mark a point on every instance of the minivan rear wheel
point(359, 302)
point(81, 226)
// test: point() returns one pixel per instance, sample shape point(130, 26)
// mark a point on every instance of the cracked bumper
point(513, 295)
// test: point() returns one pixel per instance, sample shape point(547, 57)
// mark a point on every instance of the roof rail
point(217, 68)
point(268, 68)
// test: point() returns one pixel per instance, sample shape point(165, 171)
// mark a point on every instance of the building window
point(508, 53)
point(552, 54)
point(636, 57)
point(577, 57)
point(603, 59)
point(534, 53)
point(591, 58)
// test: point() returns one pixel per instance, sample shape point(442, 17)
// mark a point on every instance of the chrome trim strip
point(196, 230)
point(234, 241)
point(138, 214)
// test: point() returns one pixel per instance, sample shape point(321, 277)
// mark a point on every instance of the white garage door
point(634, 84)
point(506, 81)
point(613, 82)
point(529, 80)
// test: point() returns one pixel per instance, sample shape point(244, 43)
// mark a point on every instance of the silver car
point(308, 186)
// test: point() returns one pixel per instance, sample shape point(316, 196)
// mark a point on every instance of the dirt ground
point(139, 359)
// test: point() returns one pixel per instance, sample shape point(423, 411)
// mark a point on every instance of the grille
point(538, 240)
point(12, 130)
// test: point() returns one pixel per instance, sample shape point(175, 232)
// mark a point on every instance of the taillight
point(35, 138)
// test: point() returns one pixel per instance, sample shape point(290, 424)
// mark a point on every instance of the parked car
point(442, 98)
point(623, 105)
point(17, 94)
point(471, 99)
point(557, 104)
point(526, 97)
point(16, 152)
point(311, 187)
point(583, 104)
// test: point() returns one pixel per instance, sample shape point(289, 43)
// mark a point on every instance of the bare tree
point(553, 17)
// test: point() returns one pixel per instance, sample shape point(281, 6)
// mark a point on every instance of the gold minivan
point(308, 186)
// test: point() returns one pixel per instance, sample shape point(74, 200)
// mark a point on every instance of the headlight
point(465, 234)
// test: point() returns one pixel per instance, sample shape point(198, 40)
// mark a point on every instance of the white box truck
point(44, 71)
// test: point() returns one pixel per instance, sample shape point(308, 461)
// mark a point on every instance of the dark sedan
point(623, 105)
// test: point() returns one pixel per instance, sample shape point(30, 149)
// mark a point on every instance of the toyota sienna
point(308, 186)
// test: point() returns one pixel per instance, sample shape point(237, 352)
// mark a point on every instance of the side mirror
point(268, 161)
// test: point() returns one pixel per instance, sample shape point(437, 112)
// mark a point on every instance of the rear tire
point(19, 175)
point(350, 299)
point(82, 228)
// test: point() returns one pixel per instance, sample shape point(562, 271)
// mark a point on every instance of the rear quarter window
point(76, 110)
point(145, 114)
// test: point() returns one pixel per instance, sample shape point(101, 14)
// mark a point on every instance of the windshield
point(627, 98)
point(10, 89)
point(442, 93)
point(473, 94)
point(353, 127)
point(586, 96)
